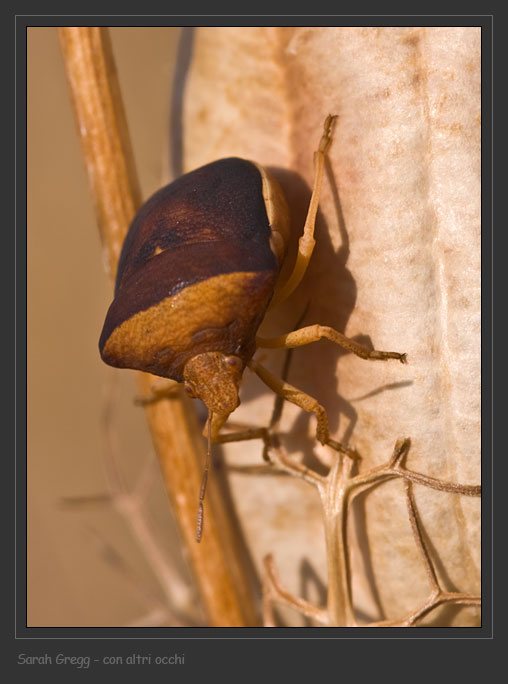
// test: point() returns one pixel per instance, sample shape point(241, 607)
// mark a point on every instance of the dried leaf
point(397, 260)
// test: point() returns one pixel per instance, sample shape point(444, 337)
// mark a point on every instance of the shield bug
point(197, 272)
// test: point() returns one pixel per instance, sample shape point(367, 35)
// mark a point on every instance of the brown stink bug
point(198, 269)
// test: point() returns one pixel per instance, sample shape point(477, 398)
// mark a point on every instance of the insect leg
point(313, 333)
point(307, 241)
point(305, 402)
point(164, 390)
point(249, 433)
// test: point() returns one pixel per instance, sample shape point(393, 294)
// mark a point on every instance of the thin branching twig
point(337, 490)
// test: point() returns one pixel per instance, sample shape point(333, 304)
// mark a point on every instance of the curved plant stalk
point(222, 580)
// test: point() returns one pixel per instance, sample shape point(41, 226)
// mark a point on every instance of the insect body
point(196, 274)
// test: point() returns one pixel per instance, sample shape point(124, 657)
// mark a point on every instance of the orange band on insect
point(198, 270)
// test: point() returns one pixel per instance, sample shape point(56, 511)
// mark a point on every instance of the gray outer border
point(155, 640)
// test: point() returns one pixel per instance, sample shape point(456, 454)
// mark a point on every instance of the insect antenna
point(202, 490)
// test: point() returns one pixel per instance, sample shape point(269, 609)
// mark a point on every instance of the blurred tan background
point(85, 567)
point(88, 563)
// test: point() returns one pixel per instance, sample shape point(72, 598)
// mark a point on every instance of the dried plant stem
point(179, 606)
point(130, 505)
point(221, 578)
point(333, 492)
point(172, 616)
point(335, 506)
point(274, 589)
point(417, 534)
point(337, 490)
point(430, 604)
point(155, 618)
point(437, 597)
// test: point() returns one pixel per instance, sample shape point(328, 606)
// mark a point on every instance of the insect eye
point(188, 390)
point(233, 361)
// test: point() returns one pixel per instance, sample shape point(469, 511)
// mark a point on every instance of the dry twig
point(222, 579)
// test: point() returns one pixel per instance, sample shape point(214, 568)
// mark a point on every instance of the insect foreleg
point(313, 333)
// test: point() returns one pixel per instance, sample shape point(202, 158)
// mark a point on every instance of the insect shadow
point(311, 582)
point(326, 296)
point(327, 278)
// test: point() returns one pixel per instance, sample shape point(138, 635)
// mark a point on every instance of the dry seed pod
point(397, 258)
